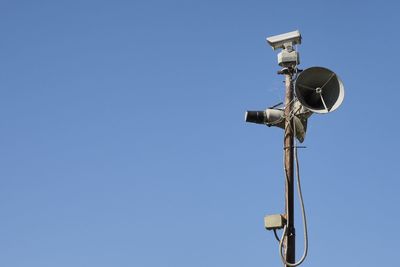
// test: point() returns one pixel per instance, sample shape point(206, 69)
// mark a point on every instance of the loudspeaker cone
point(319, 89)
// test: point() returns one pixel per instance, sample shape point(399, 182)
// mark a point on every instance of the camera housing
point(288, 57)
point(285, 39)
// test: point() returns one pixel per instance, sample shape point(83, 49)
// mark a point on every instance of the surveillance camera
point(280, 41)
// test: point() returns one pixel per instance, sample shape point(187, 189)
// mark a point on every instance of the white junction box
point(276, 221)
point(288, 58)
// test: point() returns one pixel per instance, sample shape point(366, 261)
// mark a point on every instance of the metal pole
point(289, 241)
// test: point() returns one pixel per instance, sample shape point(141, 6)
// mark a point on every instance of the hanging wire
point(276, 236)
point(303, 212)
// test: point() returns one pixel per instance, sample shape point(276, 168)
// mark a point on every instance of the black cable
point(276, 236)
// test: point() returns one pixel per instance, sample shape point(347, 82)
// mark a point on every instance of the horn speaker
point(319, 89)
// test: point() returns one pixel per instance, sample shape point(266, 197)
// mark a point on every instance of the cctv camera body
point(284, 40)
point(288, 56)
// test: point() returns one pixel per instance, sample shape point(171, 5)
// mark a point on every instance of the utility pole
point(289, 241)
point(318, 90)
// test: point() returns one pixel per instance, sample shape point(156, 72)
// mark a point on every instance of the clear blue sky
point(123, 140)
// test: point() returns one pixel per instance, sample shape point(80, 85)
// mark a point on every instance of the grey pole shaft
point(289, 183)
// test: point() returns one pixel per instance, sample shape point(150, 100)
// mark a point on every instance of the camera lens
point(255, 117)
